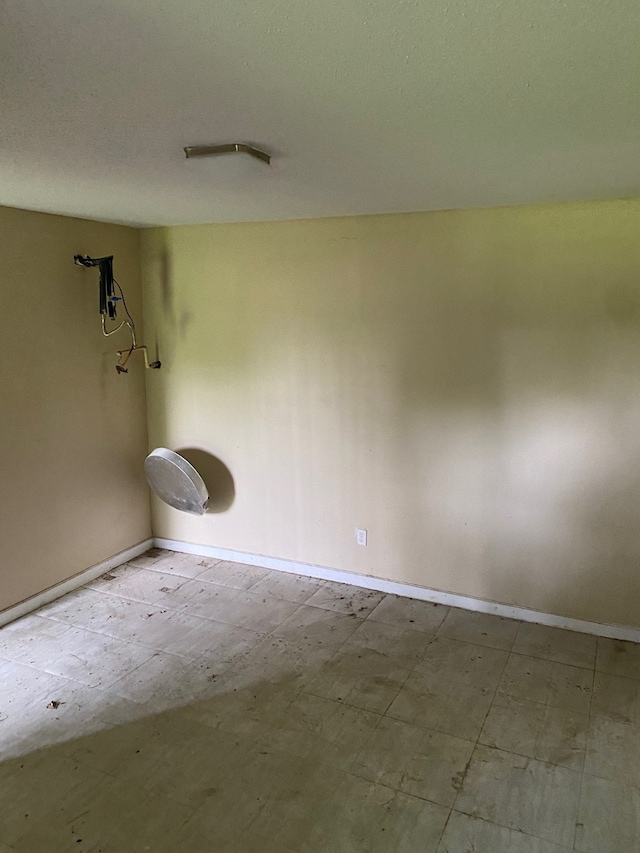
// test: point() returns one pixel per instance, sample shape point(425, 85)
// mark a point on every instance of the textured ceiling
point(367, 105)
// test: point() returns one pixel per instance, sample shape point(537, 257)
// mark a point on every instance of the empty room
point(320, 420)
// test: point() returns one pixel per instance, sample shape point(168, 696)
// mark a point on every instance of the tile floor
point(186, 704)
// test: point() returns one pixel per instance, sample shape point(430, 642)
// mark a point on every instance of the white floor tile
point(180, 698)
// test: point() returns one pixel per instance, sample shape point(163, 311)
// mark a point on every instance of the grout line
point(444, 828)
point(71, 584)
point(586, 747)
point(512, 829)
point(550, 660)
point(406, 590)
point(477, 740)
point(380, 715)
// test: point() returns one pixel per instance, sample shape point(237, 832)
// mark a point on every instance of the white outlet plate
point(361, 536)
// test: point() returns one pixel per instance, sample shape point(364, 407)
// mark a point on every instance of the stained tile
point(29, 707)
point(83, 607)
point(409, 613)
point(402, 646)
point(521, 793)
point(109, 817)
point(556, 644)
point(174, 563)
point(342, 598)
point(152, 557)
point(363, 678)
point(141, 684)
point(207, 824)
point(110, 748)
point(616, 697)
point(138, 584)
point(115, 574)
point(234, 575)
point(288, 586)
point(198, 597)
point(549, 734)
point(249, 842)
point(316, 627)
point(283, 662)
point(86, 656)
point(124, 619)
point(96, 660)
point(272, 795)
point(608, 818)
point(482, 629)
point(262, 613)
point(465, 663)
point(38, 710)
point(181, 760)
point(466, 834)
point(613, 751)
point(437, 703)
point(618, 657)
point(240, 705)
point(363, 816)
point(408, 758)
point(33, 640)
point(197, 680)
point(218, 642)
point(256, 720)
point(322, 730)
point(547, 682)
point(32, 786)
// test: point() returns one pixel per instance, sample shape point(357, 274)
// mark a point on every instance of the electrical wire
point(122, 361)
point(113, 331)
point(130, 324)
point(124, 302)
point(127, 322)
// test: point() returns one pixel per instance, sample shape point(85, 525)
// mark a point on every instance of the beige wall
point(73, 433)
point(465, 385)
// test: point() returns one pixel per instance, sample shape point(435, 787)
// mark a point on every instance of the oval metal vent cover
point(176, 481)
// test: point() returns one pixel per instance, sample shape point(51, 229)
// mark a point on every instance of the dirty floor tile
point(187, 703)
point(616, 697)
point(171, 562)
point(315, 627)
point(235, 575)
point(543, 641)
point(447, 706)
point(547, 682)
point(409, 613)
point(257, 612)
point(521, 793)
point(609, 817)
point(613, 751)
point(618, 657)
point(363, 817)
point(549, 734)
point(401, 646)
point(288, 586)
point(465, 663)
point(420, 762)
point(346, 599)
point(363, 678)
point(466, 834)
point(322, 730)
point(483, 629)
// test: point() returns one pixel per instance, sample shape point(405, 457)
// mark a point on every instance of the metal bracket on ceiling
point(226, 148)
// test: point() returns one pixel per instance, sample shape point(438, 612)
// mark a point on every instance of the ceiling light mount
point(226, 148)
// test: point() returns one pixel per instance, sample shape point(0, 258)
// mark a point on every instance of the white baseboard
point(453, 599)
point(60, 589)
